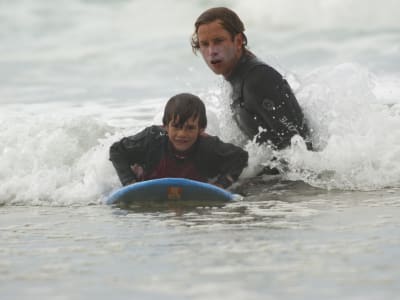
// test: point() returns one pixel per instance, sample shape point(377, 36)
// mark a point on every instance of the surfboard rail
point(169, 189)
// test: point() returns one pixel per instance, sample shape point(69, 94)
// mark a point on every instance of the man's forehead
point(212, 28)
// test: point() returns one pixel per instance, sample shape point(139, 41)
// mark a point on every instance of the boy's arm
point(126, 153)
point(230, 160)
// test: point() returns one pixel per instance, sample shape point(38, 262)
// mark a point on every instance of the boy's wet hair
point(182, 107)
point(229, 20)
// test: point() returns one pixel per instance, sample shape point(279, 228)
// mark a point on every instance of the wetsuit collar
point(237, 70)
point(181, 154)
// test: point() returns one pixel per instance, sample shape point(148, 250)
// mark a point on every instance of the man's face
point(219, 51)
point(183, 137)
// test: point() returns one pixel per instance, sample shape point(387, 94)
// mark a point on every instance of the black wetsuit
point(263, 99)
point(208, 158)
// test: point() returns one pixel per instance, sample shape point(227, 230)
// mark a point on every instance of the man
point(263, 103)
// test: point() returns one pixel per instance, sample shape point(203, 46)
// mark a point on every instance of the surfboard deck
point(169, 190)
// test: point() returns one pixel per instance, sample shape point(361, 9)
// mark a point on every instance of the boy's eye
point(185, 127)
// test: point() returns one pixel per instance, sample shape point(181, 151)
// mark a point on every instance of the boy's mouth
point(181, 141)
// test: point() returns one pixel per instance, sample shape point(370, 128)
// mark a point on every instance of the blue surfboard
point(176, 190)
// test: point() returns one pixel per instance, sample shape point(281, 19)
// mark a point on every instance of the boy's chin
point(181, 147)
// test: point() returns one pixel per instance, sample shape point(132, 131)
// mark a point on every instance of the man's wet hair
point(229, 20)
point(182, 107)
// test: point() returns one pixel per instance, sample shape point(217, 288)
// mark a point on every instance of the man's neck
point(237, 65)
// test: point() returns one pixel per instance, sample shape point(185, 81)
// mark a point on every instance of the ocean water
point(77, 75)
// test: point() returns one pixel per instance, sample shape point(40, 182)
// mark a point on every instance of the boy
point(179, 148)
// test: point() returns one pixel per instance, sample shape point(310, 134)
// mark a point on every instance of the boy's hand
point(138, 171)
point(224, 181)
point(217, 184)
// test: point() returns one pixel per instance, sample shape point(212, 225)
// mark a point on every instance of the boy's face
point(182, 138)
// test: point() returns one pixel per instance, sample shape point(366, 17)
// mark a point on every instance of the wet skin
point(183, 137)
point(220, 51)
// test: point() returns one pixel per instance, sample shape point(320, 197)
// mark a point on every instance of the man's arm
point(269, 97)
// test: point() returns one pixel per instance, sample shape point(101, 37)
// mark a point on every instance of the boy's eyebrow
point(183, 120)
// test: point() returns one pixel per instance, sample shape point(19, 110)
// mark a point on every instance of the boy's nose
point(181, 131)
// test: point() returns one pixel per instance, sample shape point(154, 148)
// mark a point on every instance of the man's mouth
point(215, 61)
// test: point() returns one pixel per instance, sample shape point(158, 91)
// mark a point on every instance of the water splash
point(54, 160)
point(356, 136)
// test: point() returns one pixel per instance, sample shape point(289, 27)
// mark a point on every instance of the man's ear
point(239, 40)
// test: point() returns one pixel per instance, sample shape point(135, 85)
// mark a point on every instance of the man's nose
point(213, 50)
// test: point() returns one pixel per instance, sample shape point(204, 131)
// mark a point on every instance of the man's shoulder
point(260, 77)
point(251, 69)
point(257, 68)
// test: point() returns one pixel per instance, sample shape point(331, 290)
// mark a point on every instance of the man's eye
point(203, 44)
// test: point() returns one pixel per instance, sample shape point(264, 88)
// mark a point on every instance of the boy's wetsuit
point(208, 158)
point(263, 99)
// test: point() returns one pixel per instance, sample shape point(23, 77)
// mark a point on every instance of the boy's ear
point(201, 131)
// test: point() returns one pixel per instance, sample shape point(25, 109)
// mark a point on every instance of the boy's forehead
point(192, 119)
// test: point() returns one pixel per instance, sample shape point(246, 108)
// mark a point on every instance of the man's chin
point(215, 70)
